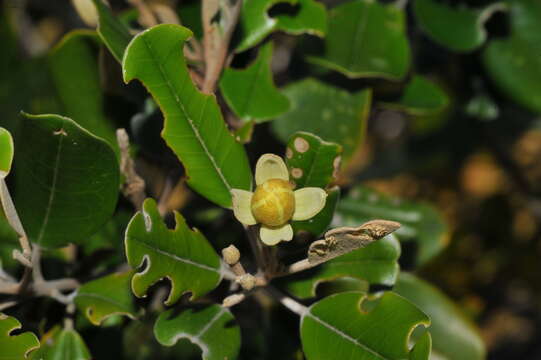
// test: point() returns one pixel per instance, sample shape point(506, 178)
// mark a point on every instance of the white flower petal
point(272, 236)
point(242, 200)
point(308, 202)
point(270, 166)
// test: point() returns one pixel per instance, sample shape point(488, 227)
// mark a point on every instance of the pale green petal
point(270, 166)
point(272, 236)
point(242, 200)
point(308, 202)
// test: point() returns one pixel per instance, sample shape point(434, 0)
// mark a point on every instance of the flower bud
point(231, 255)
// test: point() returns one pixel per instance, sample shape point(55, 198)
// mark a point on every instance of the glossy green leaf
point(319, 223)
point(377, 264)
point(454, 336)
point(251, 92)
point(514, 63)
point(421, 223)
point(182, 255)
point(6, 152)
point(73, 62)
point(63, 344)
point(107, 296)
point(333, 114)
point(311, 160)
point(255, 23)
point(421, 97)
point(337, 328)
point(366, 39)
point(212, 328)
point(423, 348)
point(114, 34)
point(456, 28)
point(73, 176)
point(194, 127)
point(15, 347)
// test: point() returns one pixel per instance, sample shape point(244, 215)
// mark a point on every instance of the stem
point(15, 223)
point(255, 244)
point(217, 37)
point(134, 187)
point(287, 301)
point(300, 266)
point(7, 304)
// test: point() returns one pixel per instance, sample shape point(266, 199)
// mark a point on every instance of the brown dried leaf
point(342, 240)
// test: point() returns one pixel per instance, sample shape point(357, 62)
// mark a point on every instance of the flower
point(274, 203)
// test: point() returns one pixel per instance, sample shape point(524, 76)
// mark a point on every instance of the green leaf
point(251, 93)
point(212, 328)
point(114, 34)
point(6, 152)
point(454, 336)
point(194, 127)
point(337, 328)
point(422, 348)
point(15, 347)
point(319, 223)
point(421, 223)
point(311, 160)
point(182, 255)
point(105, 297)
point(377, 264)
point(255, 23)
point(67, 181)
point(63, 344)
point(421, 97)
point(514, 63)
point(74, 68)
point(366, 39)
point(458, 29)
point(333, 114)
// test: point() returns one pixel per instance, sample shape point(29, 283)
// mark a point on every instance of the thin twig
point(146, 17)
point(300, 265)
point(217, 35)
point(7, 304)
point(287, 301)
point(14, 221)
point(233, 300)
point(134, 187)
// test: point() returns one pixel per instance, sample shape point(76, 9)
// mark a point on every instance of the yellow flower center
point(273, 202)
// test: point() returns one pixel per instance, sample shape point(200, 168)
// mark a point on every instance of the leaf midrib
point(185, 113)
point(53, 186)
point(103, 298)
point(345, 336)
point(175, 257)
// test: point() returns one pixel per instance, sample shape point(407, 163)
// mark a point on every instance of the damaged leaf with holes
point(15, 346)
point(251, 92)
point(328, 334)
point(292, 16)
point(182, 255)
point(194, 126)
point(212, 328)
